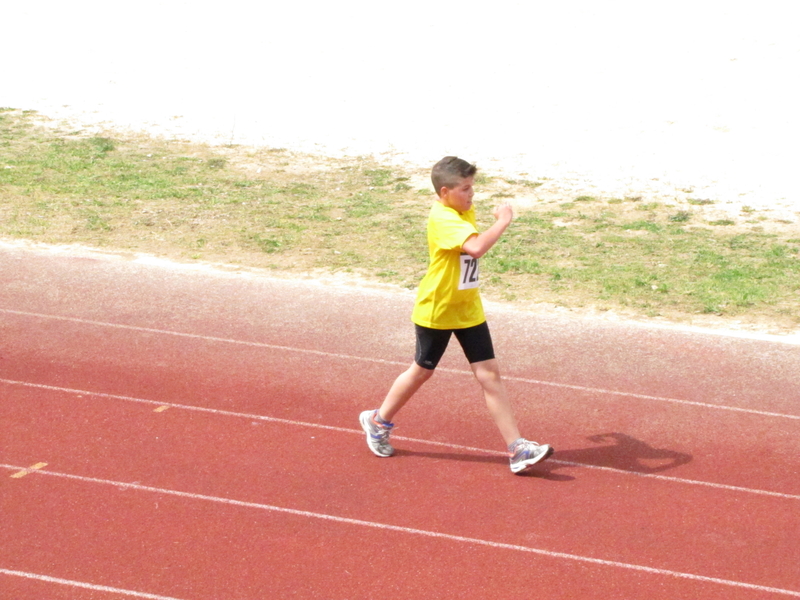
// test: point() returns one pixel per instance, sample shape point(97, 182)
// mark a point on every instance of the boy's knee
point(489, 380)
point(486, 372)
point(420, 373)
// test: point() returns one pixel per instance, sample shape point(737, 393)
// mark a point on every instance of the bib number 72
point(469, 273)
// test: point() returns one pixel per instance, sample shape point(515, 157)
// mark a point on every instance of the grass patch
point(271, 208)
point(682, 216)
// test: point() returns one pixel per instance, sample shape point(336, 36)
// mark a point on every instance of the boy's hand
point(503, 212)
point(477, 245)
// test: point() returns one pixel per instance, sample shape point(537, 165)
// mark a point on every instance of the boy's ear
point(442, 192)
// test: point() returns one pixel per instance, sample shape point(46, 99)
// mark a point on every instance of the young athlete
point(449, 302)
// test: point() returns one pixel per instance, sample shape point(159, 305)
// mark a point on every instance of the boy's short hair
point(449, 171)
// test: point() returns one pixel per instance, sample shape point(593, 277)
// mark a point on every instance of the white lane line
point(86, 586)
point(414, 531)
point(253, 417)
point(581, 388)
point(349, 357)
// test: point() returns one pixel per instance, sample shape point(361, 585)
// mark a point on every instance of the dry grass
point(677, 258)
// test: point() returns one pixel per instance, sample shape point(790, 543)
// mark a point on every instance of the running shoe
point(377, 433)
point(524, 453)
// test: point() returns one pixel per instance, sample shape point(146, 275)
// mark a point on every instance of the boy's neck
point(444, 203)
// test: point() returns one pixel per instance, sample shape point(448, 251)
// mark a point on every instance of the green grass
point(273, 209)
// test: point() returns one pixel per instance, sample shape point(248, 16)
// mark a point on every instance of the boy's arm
point(479, 244)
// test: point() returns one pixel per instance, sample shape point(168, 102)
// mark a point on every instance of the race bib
point(469, 273)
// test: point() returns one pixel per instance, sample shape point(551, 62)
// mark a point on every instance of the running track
point(171, 433)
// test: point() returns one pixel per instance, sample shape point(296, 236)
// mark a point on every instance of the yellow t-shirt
point(448, 296)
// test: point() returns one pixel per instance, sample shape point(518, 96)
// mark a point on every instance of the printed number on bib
point(469, 273)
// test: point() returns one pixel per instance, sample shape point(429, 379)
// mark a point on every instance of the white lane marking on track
point(81, 584)
point(227, 413)
point(414, 531)
point(400, 363)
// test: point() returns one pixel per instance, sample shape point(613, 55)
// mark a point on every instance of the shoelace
point(524, 448)
point(381, 431)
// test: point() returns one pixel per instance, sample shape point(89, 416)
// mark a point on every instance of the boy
point(449, 302)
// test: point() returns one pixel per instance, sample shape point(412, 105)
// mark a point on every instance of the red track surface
point(201, 442)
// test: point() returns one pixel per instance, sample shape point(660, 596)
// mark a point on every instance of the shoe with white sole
point(524, 453)
point(377, 433)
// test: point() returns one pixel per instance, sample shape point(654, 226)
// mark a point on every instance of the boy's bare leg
point(402, 389)
point(487, 372)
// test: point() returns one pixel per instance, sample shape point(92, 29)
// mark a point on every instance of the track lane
point(329, 347)
point(364, 322)
point(626, 575)
point(617, 518)
point(322, 552)
point(633, 459)
point(614, 430)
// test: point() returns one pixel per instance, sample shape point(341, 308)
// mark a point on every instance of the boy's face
point(459, 198)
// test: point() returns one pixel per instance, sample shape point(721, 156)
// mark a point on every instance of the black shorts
point(431, 344)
